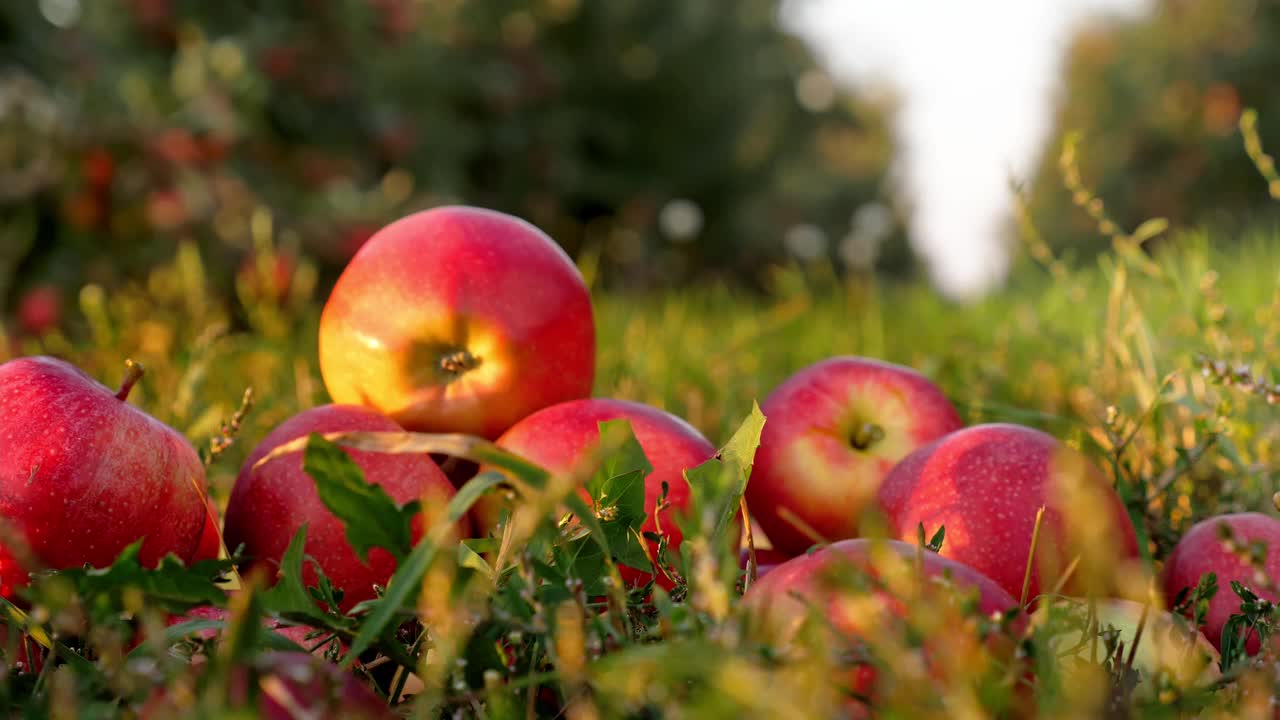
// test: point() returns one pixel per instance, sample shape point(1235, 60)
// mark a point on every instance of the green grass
point(1108, 358)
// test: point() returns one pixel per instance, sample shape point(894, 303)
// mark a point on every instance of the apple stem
point(133, 371)
point(866, 435)
point(458, 362)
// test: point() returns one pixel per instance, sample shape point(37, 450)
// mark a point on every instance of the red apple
point(778, 606)
point(297, 633)
point(40, 310)
point(458, 319)
point(285, 685)
point(210, 538)
point(1202, 551)
point(985, 484)
point(560, 437)
point(83, 474)
point(834, 430)
point(767, 560)
point(270, 503)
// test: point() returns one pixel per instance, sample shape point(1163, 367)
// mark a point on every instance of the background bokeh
point(661, 141)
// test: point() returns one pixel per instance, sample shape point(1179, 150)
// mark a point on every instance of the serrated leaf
point(716, 486)
point(619, 481)
point(171, 584)
point(289, 595)
point(405, 585)
point(368, 514)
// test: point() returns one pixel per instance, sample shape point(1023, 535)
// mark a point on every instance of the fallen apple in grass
point(1202, 550)
point(84, 474)
point(560, 437)
point(985, 485)
point(834, 431)
point(269, 503)
point(1165, 646)
point(279, 686)
point(458, 319)
point(854, 591)
point(210, 545)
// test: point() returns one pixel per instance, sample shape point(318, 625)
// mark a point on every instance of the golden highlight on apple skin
point(458, 319)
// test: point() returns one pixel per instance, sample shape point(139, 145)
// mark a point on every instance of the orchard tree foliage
point(1157, 102)
point(657, 139)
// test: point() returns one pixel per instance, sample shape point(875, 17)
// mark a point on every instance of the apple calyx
point(866, 435)
point(458, 362)
point(133, 371)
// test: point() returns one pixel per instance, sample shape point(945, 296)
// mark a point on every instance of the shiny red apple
point(560, 437)
point(458, 319)
point(269, 503)
point(834, 430)
point(767, 560)
point(1201, 550)
point(84, 474)
point(985, 484)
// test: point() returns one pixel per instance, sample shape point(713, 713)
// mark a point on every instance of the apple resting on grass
point(84, 474)
point(284, 686)
point(1201, 550)
point(767, 560)
point(834, 430)
point(458, 319)
point(561, 436)
point(1188, 659)
point(985, 483)
point(832, 587)
point(270, 503)
point(297, 633)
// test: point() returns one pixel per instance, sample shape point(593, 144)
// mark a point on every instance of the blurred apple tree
point(1157, 101)
point(663, 139)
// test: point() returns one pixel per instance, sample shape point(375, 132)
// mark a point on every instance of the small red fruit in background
point(84, 474)
point(40, 310)
point(458, 319)
point(270, 503)
point(834, 430)
point(560, 437)
point(1202, 550)
point(985, 484)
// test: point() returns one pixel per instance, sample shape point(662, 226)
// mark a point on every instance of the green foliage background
point(1156, 100)
point(142, 123)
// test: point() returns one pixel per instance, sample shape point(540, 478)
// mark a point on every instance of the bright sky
point(977, 80)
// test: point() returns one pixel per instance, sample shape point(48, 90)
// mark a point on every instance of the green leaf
point(716, 486)
point(289, 595)
point(406, 583)
point(371, 518)
point(172, 585)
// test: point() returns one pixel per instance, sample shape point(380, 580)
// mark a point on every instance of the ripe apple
point(297, 633)
point(834, 430)
point(1188, 659)
point(561, 436)
point(1201, 551)
point(458, 319)
point(826, 587)
point(284, 686)
point(985, 483)
point(767, 560)
point(210, 538)
point(269, 503)
point(83, 474)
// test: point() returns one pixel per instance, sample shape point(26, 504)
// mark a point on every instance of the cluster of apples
point(463, 320)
